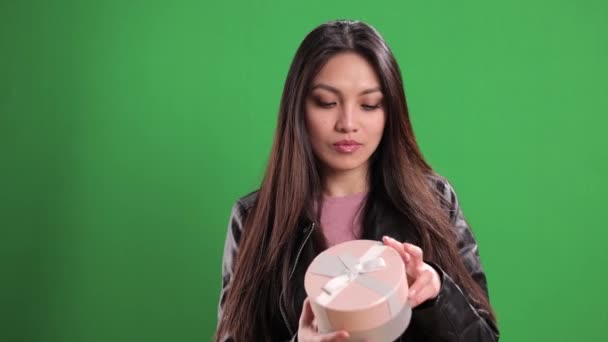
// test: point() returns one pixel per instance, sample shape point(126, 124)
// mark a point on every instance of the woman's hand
point(307, 331)
point(423, 281)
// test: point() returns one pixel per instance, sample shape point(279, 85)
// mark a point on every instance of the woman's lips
point(346, 146)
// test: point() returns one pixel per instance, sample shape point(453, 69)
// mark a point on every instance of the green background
point(128, 129)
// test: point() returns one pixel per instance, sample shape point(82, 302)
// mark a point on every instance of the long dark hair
point(292, 183)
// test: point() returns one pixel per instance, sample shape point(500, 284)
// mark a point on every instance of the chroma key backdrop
point(129, 128)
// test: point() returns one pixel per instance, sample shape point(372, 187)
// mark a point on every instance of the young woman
point(345, 165)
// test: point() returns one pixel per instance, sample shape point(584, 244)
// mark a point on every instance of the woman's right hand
point(307, 331)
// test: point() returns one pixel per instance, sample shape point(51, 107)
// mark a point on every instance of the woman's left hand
point(423, 281)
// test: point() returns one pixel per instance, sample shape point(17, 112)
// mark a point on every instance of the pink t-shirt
point(341, 217)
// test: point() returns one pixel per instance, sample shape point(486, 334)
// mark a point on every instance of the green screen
point(129, 128)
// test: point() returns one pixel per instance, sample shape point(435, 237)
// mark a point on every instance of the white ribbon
point(352, 271)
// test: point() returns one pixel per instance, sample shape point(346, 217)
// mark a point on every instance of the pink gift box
point(359, 286)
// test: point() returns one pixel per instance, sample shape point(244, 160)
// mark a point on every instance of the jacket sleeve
point(231, 245)
point(452, 316)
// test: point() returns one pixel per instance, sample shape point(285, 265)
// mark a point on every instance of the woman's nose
point(346, 120)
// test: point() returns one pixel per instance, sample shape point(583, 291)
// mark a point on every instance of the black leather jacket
point(449, 317)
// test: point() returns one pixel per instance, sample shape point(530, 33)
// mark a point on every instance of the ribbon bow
point(353, 268)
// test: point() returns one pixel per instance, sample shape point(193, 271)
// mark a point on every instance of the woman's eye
point(326, 104)
point(370, 107)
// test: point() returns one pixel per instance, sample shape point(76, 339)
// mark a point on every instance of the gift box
point(359, 286)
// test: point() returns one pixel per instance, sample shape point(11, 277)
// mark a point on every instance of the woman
point(345, 165)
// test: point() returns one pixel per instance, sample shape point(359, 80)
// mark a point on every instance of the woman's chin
point(345, 166)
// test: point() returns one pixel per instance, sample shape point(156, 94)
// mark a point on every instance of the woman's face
point(345, 113)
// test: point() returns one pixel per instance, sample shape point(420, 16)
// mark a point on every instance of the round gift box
point(359, 286)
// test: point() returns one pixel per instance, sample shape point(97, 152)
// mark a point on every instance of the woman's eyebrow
point(338, 92)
